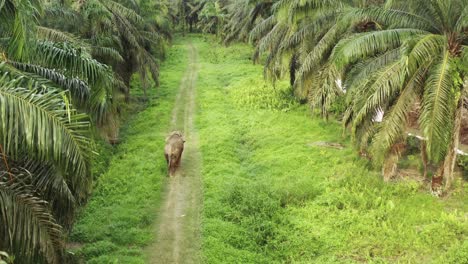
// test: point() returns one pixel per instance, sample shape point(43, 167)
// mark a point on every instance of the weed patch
point(258, 94)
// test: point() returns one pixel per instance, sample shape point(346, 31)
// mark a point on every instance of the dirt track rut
point(178, 230)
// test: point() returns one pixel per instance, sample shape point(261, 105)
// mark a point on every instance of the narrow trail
point(178, 230)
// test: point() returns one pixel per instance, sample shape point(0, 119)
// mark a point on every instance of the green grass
point(117, 223)
point(271, 198)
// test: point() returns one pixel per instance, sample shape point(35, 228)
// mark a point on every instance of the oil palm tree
point(418, 55)
point(122, 34)
point(44, 141)
point(58, 62)
point(45, 166)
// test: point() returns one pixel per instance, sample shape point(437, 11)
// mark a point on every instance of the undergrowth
point(256, 93)
point(270, 196)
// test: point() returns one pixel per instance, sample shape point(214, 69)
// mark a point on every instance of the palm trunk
point(450, 159)
point(390, 167)
point(7, 167)
point(424, 158)
point(436, 182)
point(445, 172)
point(125, 71)
point(292, 70)
point(144, 84)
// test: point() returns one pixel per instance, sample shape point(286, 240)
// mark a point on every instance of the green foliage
point(68, 66)
point(5, 258)
point(23, 211)
point(44, 170)
point(458, 253)
point(338, 107)
point(258, 94)
point(101, 159)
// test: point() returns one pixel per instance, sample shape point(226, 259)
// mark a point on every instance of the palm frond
point(395, 119)
point(52, 187)
point(438, 108)
point(397, 19)
point(424, 48)
point(106, 52)
point(78, 89)
point(363, 45)
point(117, 8)
point(262, 28)
point(363, 69)
point(28, 229)
point(54, 35)
point(76, 62)
point(386, 85)
point(315, 57)
point(57, 11)
point(43, 123)
point(323, 90)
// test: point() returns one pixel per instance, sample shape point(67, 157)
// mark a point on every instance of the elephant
point(173, 151)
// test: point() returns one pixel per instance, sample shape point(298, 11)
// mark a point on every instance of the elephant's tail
point(169, 164)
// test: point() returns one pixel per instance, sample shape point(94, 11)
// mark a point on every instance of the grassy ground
point(270, 196)
point(118, 221)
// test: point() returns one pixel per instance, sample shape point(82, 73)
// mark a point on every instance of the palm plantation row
point(405, 60)
point(65, 70)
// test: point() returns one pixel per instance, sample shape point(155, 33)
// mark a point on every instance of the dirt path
point(178, 230)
